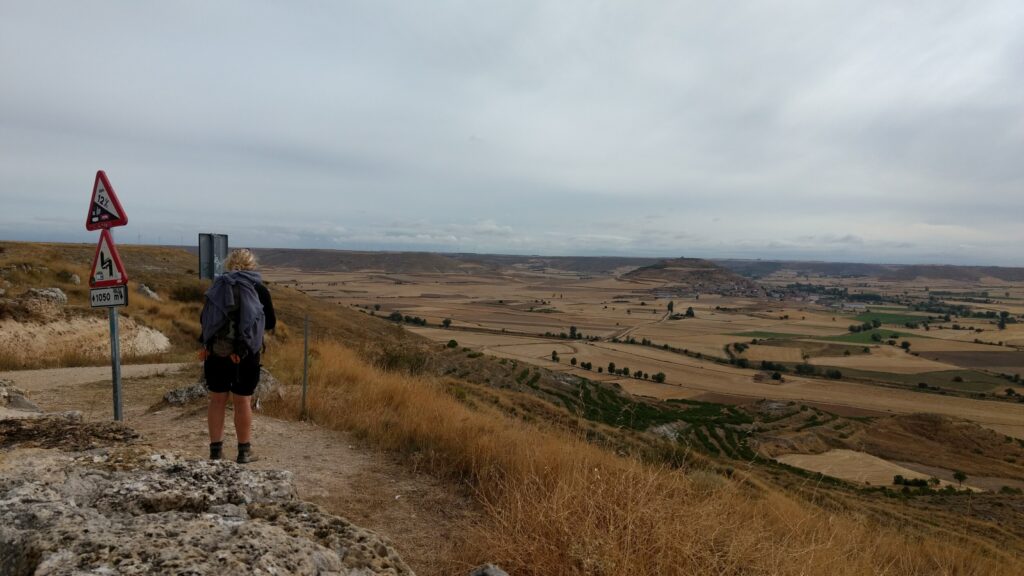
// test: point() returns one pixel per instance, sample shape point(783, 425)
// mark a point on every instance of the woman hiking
point(237, 311)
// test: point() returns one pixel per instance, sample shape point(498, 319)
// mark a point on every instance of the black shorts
point(223, 375)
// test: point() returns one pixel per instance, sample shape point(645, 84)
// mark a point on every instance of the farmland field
point(704, 341)
point(853, 466)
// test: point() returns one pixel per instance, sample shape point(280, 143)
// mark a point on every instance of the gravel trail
point(36, 380)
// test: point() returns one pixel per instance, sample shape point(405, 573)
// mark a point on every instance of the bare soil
point(84, 336)
point(1002, 361)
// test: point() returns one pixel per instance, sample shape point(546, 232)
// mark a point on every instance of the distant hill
point(694, 274)
point(680, 270)
point(350, 261)
point(320, 260)
point(579, 264)
point(905, 272)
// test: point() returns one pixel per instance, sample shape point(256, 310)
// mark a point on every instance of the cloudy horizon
point(843, 131)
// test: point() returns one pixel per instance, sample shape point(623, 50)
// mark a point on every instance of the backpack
point(226, 341)
point(232, 318)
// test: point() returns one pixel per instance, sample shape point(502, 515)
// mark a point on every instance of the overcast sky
point(872, 131)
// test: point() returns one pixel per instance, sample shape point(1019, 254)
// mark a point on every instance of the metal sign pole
point(115, 363)
point(305, 366)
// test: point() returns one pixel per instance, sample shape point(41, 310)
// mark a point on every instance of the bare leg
point(215, 415)
point(243, 418)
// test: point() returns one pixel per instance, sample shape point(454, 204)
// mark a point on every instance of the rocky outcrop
point(62, 430)
point(55, 295)
point(149, 293)
point(35, 305)
point(13, 399)
point(267, 387)
point(182, 396)
point(89, 498)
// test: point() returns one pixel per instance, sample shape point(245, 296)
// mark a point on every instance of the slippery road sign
point(104, 209)
point(107, 269)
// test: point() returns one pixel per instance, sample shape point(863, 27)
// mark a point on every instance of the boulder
point(55, 295)
point(267, 387)
point(149, 293)
point(75, 279)
point(14, 399)
point(186, 395)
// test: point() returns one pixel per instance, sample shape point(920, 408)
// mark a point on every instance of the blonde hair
point(241, 259)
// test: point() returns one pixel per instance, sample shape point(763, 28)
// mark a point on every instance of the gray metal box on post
point(213, 250)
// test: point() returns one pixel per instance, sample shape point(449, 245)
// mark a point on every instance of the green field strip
point(865, 336)
point(769, 335)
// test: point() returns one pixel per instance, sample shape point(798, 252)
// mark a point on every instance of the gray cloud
point(870, 131)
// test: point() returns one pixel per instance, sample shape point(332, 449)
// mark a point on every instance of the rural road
point(623, 334)
point(35, 380)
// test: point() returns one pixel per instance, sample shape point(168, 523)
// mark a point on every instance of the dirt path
point(35, 380)
point(419, 513)
point(625, 333)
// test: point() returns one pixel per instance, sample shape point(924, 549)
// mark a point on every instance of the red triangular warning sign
point(107, 269)
point(104, 209)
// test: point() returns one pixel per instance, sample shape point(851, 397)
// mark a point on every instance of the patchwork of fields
point(740, 347)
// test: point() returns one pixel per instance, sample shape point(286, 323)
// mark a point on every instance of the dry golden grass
point(556, 505)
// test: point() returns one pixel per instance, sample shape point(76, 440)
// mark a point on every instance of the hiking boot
point(216, 450)
point(245, 454)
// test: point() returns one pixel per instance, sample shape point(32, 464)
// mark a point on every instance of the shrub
point(453, 344)
point(188, 293)
point(806, 369)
